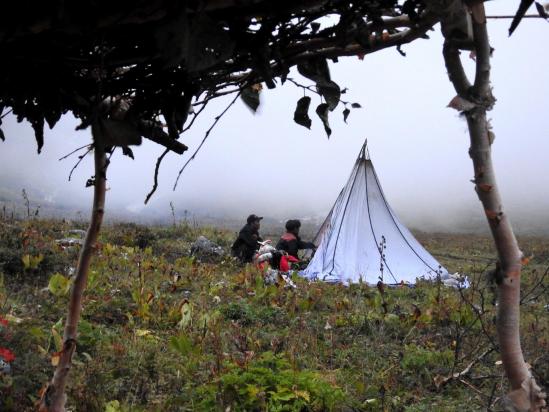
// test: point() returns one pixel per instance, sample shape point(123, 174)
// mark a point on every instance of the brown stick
point(525, 394)
point(53, 397)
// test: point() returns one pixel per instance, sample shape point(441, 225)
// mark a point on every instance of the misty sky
point(267, 164)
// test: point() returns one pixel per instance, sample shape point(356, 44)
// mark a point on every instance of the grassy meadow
point(164, 331)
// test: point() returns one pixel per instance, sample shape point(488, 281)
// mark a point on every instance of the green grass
point(162, 331)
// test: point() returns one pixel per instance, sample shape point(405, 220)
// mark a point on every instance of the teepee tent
point(362, 238)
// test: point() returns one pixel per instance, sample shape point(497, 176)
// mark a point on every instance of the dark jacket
point(292, 243)
point(246, 244)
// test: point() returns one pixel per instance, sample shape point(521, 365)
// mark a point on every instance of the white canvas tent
point(362, 238)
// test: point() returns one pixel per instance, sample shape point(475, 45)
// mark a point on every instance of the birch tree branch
point(53, 396)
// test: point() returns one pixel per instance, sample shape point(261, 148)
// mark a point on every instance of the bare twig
point(472, 387)
point(195, 115)
point(74, 151)
point(216, 95)
point(80, 158)
point(204, 139)
point(155, 185)
point(161, 157)
point(479, 318)
point(466, 371)
point(528, 16)
point(537, 284)
point(310, 88)
point(5, 114)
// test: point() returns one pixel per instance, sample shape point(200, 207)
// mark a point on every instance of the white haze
point(268, 165)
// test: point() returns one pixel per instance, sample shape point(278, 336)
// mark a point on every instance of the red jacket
point(291, 244)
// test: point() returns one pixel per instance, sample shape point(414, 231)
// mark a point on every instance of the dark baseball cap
point(253, 218)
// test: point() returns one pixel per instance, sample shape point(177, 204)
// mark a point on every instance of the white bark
point(525, 395)
point(53, 397)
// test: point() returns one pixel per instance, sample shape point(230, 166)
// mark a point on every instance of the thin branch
point(74, 151)
point(204, 139)
point(79, 161)
point(459, 375)
point(329, 48)
point(528, 16)
point(537, 284)
point(456, 73)
point(216, 95)
point(5, 114)
point(195, 115)
point(479, 318)
point(311, 89)
point(483, 51)
point(155, 185)
point(53, 397)
point(161, 157)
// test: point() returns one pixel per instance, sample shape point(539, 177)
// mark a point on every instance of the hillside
point(164, 331)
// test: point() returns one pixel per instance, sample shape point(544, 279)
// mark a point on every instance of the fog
point(264, 163)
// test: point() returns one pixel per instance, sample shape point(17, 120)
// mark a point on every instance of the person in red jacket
point(290, 241)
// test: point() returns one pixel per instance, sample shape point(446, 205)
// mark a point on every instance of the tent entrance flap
point(363, 239)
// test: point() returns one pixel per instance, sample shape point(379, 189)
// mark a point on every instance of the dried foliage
point(139, 65)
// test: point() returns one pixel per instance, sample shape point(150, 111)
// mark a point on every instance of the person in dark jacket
point(290, 241)
point(247, 242)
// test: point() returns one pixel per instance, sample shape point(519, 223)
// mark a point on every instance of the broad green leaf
point(59, 285)
point(37, 333)
point(113, 406)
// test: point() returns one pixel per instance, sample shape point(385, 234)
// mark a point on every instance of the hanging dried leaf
point(346, 114)
point(55, 357)
point(250, 96)
point(2, 137)
point(52, 117)
point(38, 126)
point(322, 112)
point(301, 114)
point(315, 69)
point(356, 106)
point(521, 11)
point(461, 104)
point(126, 151)
point(331, 93)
